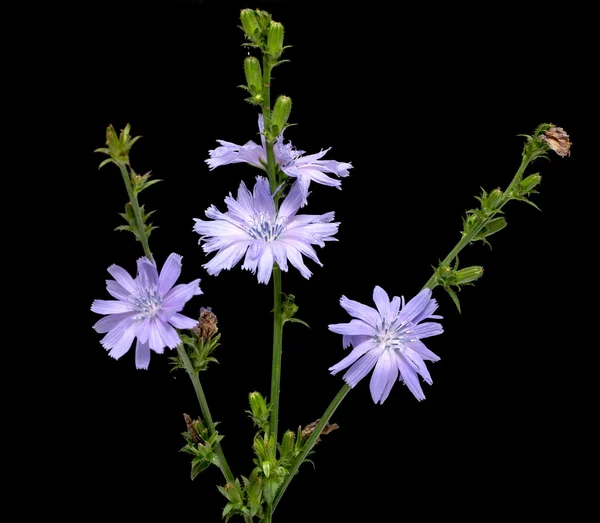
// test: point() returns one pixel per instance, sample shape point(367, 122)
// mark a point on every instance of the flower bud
point(468, 274)
point(287, 444)
point(254, 78)
point(250, 24)
point(266, 466)
point(280, 115)
point(275, 40)
point(494, 199)
point(259, 407)
point(529, 183)
point(493, 226)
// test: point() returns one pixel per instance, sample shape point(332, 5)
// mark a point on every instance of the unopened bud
point(558, 140)
point(468, 274)
point(275, 40)
point(280, 115)
point(250, 24)
point(258, 406)
point(288, 442)
point(494, 199)
point(254, 78)
point(266, 466)
point(492, 227)
point(529, 183)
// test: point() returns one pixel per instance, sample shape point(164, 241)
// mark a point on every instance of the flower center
point(147, 305)
point(393, 336)
point(265, 228)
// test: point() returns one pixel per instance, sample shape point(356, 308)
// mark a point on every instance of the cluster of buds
point(263, 32)
point(267, 35)
point(118, 146)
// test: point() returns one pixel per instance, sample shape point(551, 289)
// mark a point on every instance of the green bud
point(275, 40)
point(280, 115)
point(494, 199)
point(250, 24)
point(266, 466)
point(493, 226)
point(288, 443)
point(529, 183)
point(264, 19)
point(259, 407)
point(468, 274)
point(254, 78)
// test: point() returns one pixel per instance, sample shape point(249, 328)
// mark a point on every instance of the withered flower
point(558, 140)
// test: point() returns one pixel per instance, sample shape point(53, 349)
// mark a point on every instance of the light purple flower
point(146, 308)
point(291, 161)
point(252, 227)
point(389, 340)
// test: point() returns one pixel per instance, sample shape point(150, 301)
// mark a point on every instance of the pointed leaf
point(199, 466)
point(297, 320)
point(454, 298)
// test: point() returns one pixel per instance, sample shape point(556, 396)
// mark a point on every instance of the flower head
point(388, 338)
point(290, 160)
point(146, 308)
point(252, 227)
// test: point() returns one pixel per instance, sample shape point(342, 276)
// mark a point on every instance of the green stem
point(223, 465)
point(468, 238)
point(277, 351)
point(431, 283)
point(311, 441)
point(266, 89)
point(141, 229)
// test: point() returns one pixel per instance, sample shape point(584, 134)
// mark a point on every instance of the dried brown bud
point(308, 430)
point(190, 426)
point(207, 324)
point(558, 141)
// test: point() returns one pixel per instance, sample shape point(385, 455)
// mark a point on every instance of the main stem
point(137, 212)
point(431, 283)
point(277, 351)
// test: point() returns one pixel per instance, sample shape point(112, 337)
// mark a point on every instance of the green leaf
point(297, 320)
point(199, 466)
point(224, 491)
point(270, 488)
point(454, 298)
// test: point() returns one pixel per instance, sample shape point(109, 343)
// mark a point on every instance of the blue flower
point(252, 227)
point(290, 160)
point(146, 308)
point(389, 339)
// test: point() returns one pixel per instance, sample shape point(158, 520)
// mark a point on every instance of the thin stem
point(312, 441)
point(141, 230)
point(266, 88)
point(277, 351)
point(223, 465)
point(467, 238)
point(431, 283)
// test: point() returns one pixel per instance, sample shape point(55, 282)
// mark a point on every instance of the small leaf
point(270, 488)
point(297, 320)
point(454, 298)
point(199, 466)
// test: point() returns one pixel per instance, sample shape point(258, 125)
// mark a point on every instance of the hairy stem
point(312, 440)
point(223, 465)
point(141, 230)
point(468, 238)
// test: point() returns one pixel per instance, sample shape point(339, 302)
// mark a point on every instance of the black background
point(427, 106)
